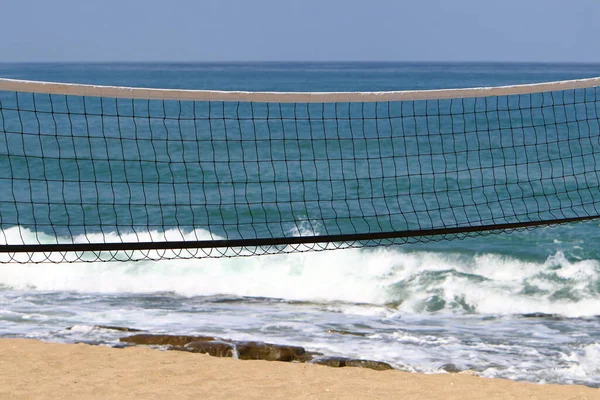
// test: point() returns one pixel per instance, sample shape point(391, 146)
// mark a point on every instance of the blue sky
point(319, 30)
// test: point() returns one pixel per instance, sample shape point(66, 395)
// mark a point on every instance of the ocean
point(521, 306)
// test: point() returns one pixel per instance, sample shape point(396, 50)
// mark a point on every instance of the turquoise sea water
point(497, 304)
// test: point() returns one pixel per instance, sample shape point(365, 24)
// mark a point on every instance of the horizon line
point(294, 62)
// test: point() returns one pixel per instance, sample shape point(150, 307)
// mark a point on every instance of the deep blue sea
point(521, 306)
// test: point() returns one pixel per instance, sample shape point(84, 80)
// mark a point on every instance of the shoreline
point(35, 369)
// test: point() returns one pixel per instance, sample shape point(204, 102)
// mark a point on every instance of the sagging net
point(87, 178)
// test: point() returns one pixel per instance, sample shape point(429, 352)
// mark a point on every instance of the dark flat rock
point(118, 328)
point(268, 351)
point(542, 315)
point(335, 362)
point(339, 332)
point(223, 348)
point(163, 340)
point(450, 368)
point(113, 328)
point(215, 348)
point(339, 362)
point(308, 356)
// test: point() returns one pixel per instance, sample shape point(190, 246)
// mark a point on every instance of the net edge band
point(72, 89)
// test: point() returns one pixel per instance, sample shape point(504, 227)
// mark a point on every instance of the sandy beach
point(31, 369)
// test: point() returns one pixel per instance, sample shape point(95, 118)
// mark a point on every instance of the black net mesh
point(89, 178)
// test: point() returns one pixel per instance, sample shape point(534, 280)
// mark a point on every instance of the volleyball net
point(96, 173)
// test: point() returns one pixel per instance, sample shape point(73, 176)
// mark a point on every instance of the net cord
point(282, 241)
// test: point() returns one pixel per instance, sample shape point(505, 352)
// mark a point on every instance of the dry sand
point(34, 370)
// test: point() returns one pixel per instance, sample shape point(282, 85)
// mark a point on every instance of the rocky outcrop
point(338, 362)
point(268, 351)
point(222, 347)
point(247, 350)
point(164, 340)
point(308, 356)
point(371, 364)
point(215, 348)
point(450, 368)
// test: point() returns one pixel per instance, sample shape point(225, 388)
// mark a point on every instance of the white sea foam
point(585, 363)
point(417, 281)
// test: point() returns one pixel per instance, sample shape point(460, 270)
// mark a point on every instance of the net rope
point(92, 173)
